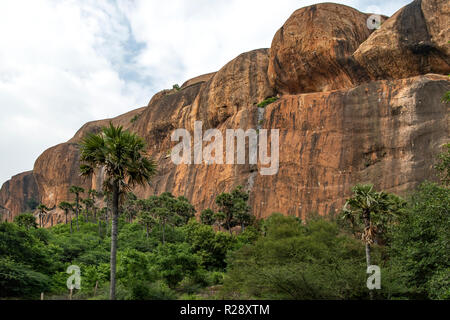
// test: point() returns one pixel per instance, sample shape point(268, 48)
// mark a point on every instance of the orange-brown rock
point(198, 79)
point(311, 51)
point(384, 132)
point(415, 40)
point(351, 129)
point(17, 194)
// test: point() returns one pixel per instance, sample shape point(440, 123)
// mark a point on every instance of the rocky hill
point(355, 105)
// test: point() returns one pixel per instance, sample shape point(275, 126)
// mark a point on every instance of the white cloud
point(63, 63)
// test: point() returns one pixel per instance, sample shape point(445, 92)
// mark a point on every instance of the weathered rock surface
point(383, 132)
point(199, 79)
point(415, 40)
point(17, 193)
point(346, 115)
point(311, 51)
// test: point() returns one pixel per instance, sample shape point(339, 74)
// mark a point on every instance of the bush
point(210, 246)
point(420, 241)
point(19, 280)
point(295, 261)
point(266, 102)
point(175, 261)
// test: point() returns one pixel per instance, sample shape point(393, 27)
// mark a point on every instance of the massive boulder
point(311, 51)
point(415, 40)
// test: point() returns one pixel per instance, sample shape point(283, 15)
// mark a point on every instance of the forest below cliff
point(164, 252)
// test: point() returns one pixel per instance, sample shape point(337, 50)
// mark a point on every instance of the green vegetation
point(155, 248)
point(121, 154)
point(161, 254)
point(443, 165)
point(176, 87)
point(135, 118)
point(420, 243)
point(266, 102)
point(446, 97)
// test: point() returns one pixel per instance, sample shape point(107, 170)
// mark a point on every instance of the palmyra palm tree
point(88, 204)
point(77, 190)
point(147, 220)
point(66, 206)
point(102, 215)
point(121, 154)
point(374, 209)
point(42, 212)
point(93, 194)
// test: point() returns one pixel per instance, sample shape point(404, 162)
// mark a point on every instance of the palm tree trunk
point(366, 218)
point(76, 211)
point(107, 221)
point(115, 216)
point(66, 215)
point(368, 256)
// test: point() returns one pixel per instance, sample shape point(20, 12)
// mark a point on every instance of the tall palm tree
point(102, 215)
point(147, 220)
point(77, 190)
point(163, 215)
point(121, 154)
point(66, 206)
point(93, 194)
point(42, 212)
point(373, 210)
point(88, 204)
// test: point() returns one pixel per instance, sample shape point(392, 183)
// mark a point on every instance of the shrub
point(266, 102)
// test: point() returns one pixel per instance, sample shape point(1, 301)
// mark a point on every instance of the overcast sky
point(63, 63)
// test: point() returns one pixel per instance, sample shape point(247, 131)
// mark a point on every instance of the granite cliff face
point(355, 106)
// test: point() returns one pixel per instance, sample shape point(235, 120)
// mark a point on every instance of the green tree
point(207, 217)
point(371, 211)
point(219, 219)
point(420, 246)
point(121, 154)
point(443, 165)
point(26, 220)
point(94, 194)
point(147, 220)
point(175, 261)
point(130, 207)
point(234, 207)
point(102, 216)
point(211, 246)
point(297, 261)
point(77, 190)
point(163, 215)
point(184, 209)
point(42, 212)
point(66, 207)
point(88, 205)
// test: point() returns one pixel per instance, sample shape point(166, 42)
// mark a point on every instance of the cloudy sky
point(63, 63)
